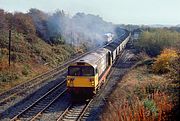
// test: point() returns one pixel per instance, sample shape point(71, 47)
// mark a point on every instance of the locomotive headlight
point(70, 81)
point(92, 81)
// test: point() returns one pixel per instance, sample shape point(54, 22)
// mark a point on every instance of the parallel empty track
point(32, 112)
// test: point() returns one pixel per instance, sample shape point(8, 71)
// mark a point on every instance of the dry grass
point(14, 74)
point(141, 96)
point(138, 110)
point(29, 59)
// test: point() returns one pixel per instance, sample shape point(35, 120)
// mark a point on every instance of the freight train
point(87, 75)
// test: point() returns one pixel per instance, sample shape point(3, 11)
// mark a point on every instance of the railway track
point(21, 89)
point(74, 112)
point(34, 111)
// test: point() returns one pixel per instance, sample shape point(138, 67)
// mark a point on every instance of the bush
point(153, 42)
point(156, 108)
point(174, 70)
point(25, 71)
point(165, 60)
point(151, 106)
point(8, 77)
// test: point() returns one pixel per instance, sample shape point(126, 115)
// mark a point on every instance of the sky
point(166, 12)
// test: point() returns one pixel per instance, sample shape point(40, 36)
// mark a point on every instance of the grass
point(142, 96)
point(16, 75)
point(156, 107)
point(153, 42)
point(28, 58)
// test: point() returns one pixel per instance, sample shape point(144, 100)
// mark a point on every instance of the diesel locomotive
point(87, 75)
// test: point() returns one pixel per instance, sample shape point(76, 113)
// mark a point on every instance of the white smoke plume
point(81, 28)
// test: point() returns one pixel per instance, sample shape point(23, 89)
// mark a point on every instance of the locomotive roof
point(93, 57)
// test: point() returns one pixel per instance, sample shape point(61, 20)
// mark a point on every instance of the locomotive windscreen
point(81, 71)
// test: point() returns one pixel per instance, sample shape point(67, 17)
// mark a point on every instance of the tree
point(155, 40)
point(165, 60)
point(23, 23)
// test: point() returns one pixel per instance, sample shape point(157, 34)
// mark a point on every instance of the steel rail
point(5, 100)
point(48, 105)
point(41, 98)
point(67, 109)
point(70, 107)
point(84, 111)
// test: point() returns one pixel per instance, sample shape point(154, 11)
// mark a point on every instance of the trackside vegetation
point(153, 41)
point(31, 54)
point(150, 90)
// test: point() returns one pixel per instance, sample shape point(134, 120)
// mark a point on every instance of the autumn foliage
point(143, 96)
point(165, 60)
point(154, 108)
point(149, 92)
point(154, 41)
point(23, 23)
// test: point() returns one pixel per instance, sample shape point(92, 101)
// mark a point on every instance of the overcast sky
point(116, 11)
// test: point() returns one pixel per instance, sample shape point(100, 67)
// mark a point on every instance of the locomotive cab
point(82, 78)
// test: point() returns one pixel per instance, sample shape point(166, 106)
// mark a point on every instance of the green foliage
point(7, 77)
point(151, 106)
point(154, 41)
point(25, 72)
point(58, 39)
